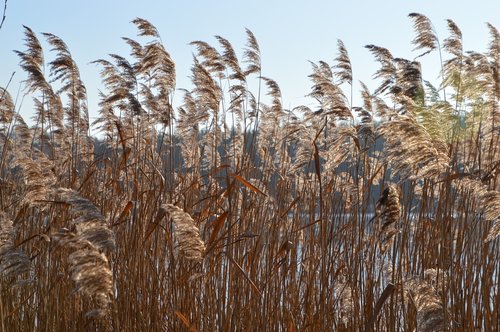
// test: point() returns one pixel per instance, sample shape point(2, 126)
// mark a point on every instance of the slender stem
point(4, 16)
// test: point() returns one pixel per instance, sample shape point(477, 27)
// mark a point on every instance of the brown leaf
point(248, 184)
point(185, 321)
point(217, 226)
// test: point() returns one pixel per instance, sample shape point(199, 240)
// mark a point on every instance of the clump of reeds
point(266, 225)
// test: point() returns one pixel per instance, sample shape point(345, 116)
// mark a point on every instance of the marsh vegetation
point(232, 213)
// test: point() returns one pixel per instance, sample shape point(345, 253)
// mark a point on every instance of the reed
point(231, 212)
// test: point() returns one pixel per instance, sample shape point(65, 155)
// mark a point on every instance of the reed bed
point(232, 213)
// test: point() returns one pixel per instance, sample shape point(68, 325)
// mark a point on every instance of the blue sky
point(289, 33)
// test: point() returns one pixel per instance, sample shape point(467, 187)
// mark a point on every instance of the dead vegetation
point(232, 213)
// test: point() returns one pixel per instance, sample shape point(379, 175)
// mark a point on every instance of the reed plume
point(87, 239)
point(430, 311)
point(343, 64)
point(32, 62)
point(252, 55)
point(6, 107)
point(387, 216)
point(89, 270)
point(187, 234)
point(37, 173)
point(145, 28)
point(13, 261)
point(387, 71)
point(87, 220)
point(425, 38)
point(410, 148)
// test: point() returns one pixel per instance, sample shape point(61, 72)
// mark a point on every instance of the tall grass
point(233, 213)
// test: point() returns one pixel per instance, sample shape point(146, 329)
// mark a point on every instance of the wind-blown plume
point(230, 59)
point(137, 50)
point(343, 64)
point(87, 244)
point(37, 173)
point(252, 54)
point(32, 62)
point(487, 200)
point(410, 148)
point(206, 88)
point(408, 79)
point(274, 91)
point(387, 71)
point(453, 44)
point(331, 98)
point(212, 60)
point(453, 67)
point(159, 65)
point(426, 38)
point(65, 69)
point(492, 127)
point(145, 28)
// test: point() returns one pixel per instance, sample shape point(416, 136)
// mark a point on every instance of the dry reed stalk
point(4, 16)
point(345, 303)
